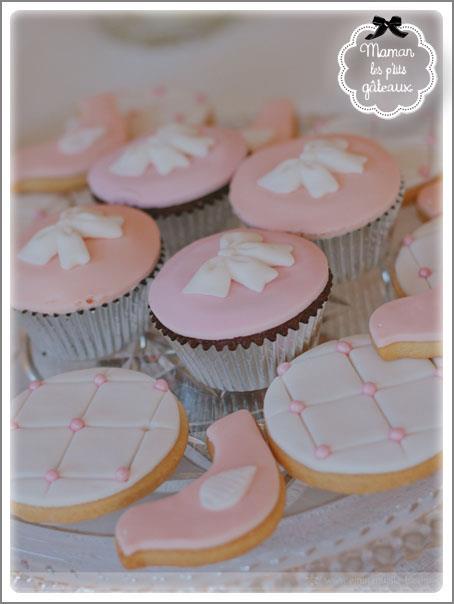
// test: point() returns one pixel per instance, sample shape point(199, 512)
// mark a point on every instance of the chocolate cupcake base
point(250, 362)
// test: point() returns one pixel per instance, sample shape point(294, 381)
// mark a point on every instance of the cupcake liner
point(353, 253)
point(94, 333)
point(181, 228)
point(252, 368)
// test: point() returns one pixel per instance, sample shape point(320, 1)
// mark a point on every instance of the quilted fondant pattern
point(89, 434)
point(418, 263)
point(340, 408)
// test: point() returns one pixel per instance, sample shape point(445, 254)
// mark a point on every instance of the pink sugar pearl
point(369, 388)
point(396, 434)
point(344, 347)
point(407, 240)
point(296, 407)
point(122, 474)
point(283, 367)
point(100, 379)
point(161, 385)
point(322, 452)
point(424, 272)
point(52, 475)
point(76, 424)
point(14, 425)
point(35, 385)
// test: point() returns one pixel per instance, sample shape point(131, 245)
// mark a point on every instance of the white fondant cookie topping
point(340, 408)
point(169, 148)
point(66, 238)
point(312, 169)
point(85, 435)
point(224, 490)
point(79, 139)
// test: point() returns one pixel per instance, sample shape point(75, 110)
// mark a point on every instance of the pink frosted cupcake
point(429, 201)
point(80, 279)
point(179, 175)
point(61, 165)
point(341, 191)
point(237, 304)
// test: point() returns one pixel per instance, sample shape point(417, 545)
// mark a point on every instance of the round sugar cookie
point(418, 263)
point(341, 418)
point(89, 442)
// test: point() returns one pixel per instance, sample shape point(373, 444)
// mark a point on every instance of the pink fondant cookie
point(275, 123)
point(430, 200)
point(61, 165)
point(418, 264)
point(231, 508)
point(149, 108)
point(81, 279)
point(241, 302)
point(89, 442)
point(341, 418)
point(409, 327)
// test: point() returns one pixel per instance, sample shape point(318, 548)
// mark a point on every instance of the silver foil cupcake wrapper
point(179, 230)
point(93, 333)
point(246, 369)
point(354, 253)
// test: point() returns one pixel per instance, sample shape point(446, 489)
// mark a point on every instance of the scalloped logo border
point(387, 115)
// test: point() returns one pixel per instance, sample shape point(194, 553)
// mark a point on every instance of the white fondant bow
point(78, 139)
point(244, 258)
point(66, 238)
point(312, 169)
point(257, 137)
point(168, 149)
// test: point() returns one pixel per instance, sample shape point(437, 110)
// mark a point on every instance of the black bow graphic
point(382, 25)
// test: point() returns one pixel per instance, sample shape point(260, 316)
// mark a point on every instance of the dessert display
point(231, 508)
point(417, 267)
point(80, 279)
point(409, 327)
point(341, 191)
point(179, 175)
point(61, 165)
point(341, 418)
point(89, 442)
point(429, 200)
point(237, 304)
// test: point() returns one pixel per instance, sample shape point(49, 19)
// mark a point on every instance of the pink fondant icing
point(181, 522)
point(115, 267)
point(412, 319)
point(242, 312)
point(151, 190)
point(430, 200)
point(360, 198)
point(46, 160)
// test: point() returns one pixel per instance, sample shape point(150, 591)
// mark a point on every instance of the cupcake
point(429, 201)
point(61, 165)
point(341, 191)
point(237, 304)
point(178, 175)
point(80, 280)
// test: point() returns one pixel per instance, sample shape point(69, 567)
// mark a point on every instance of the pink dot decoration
point(122, 474)
point(76, 424)
point(35, 385)
point(369, 388)
point(408, 240)
point(396, 434)
point(283, 368)
point(424, 272)
point(100, 379)
point(161, 385)
point(322, 452)
point(296, 407)
point(14, 425)
point(344, 347)
point(52, 475)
